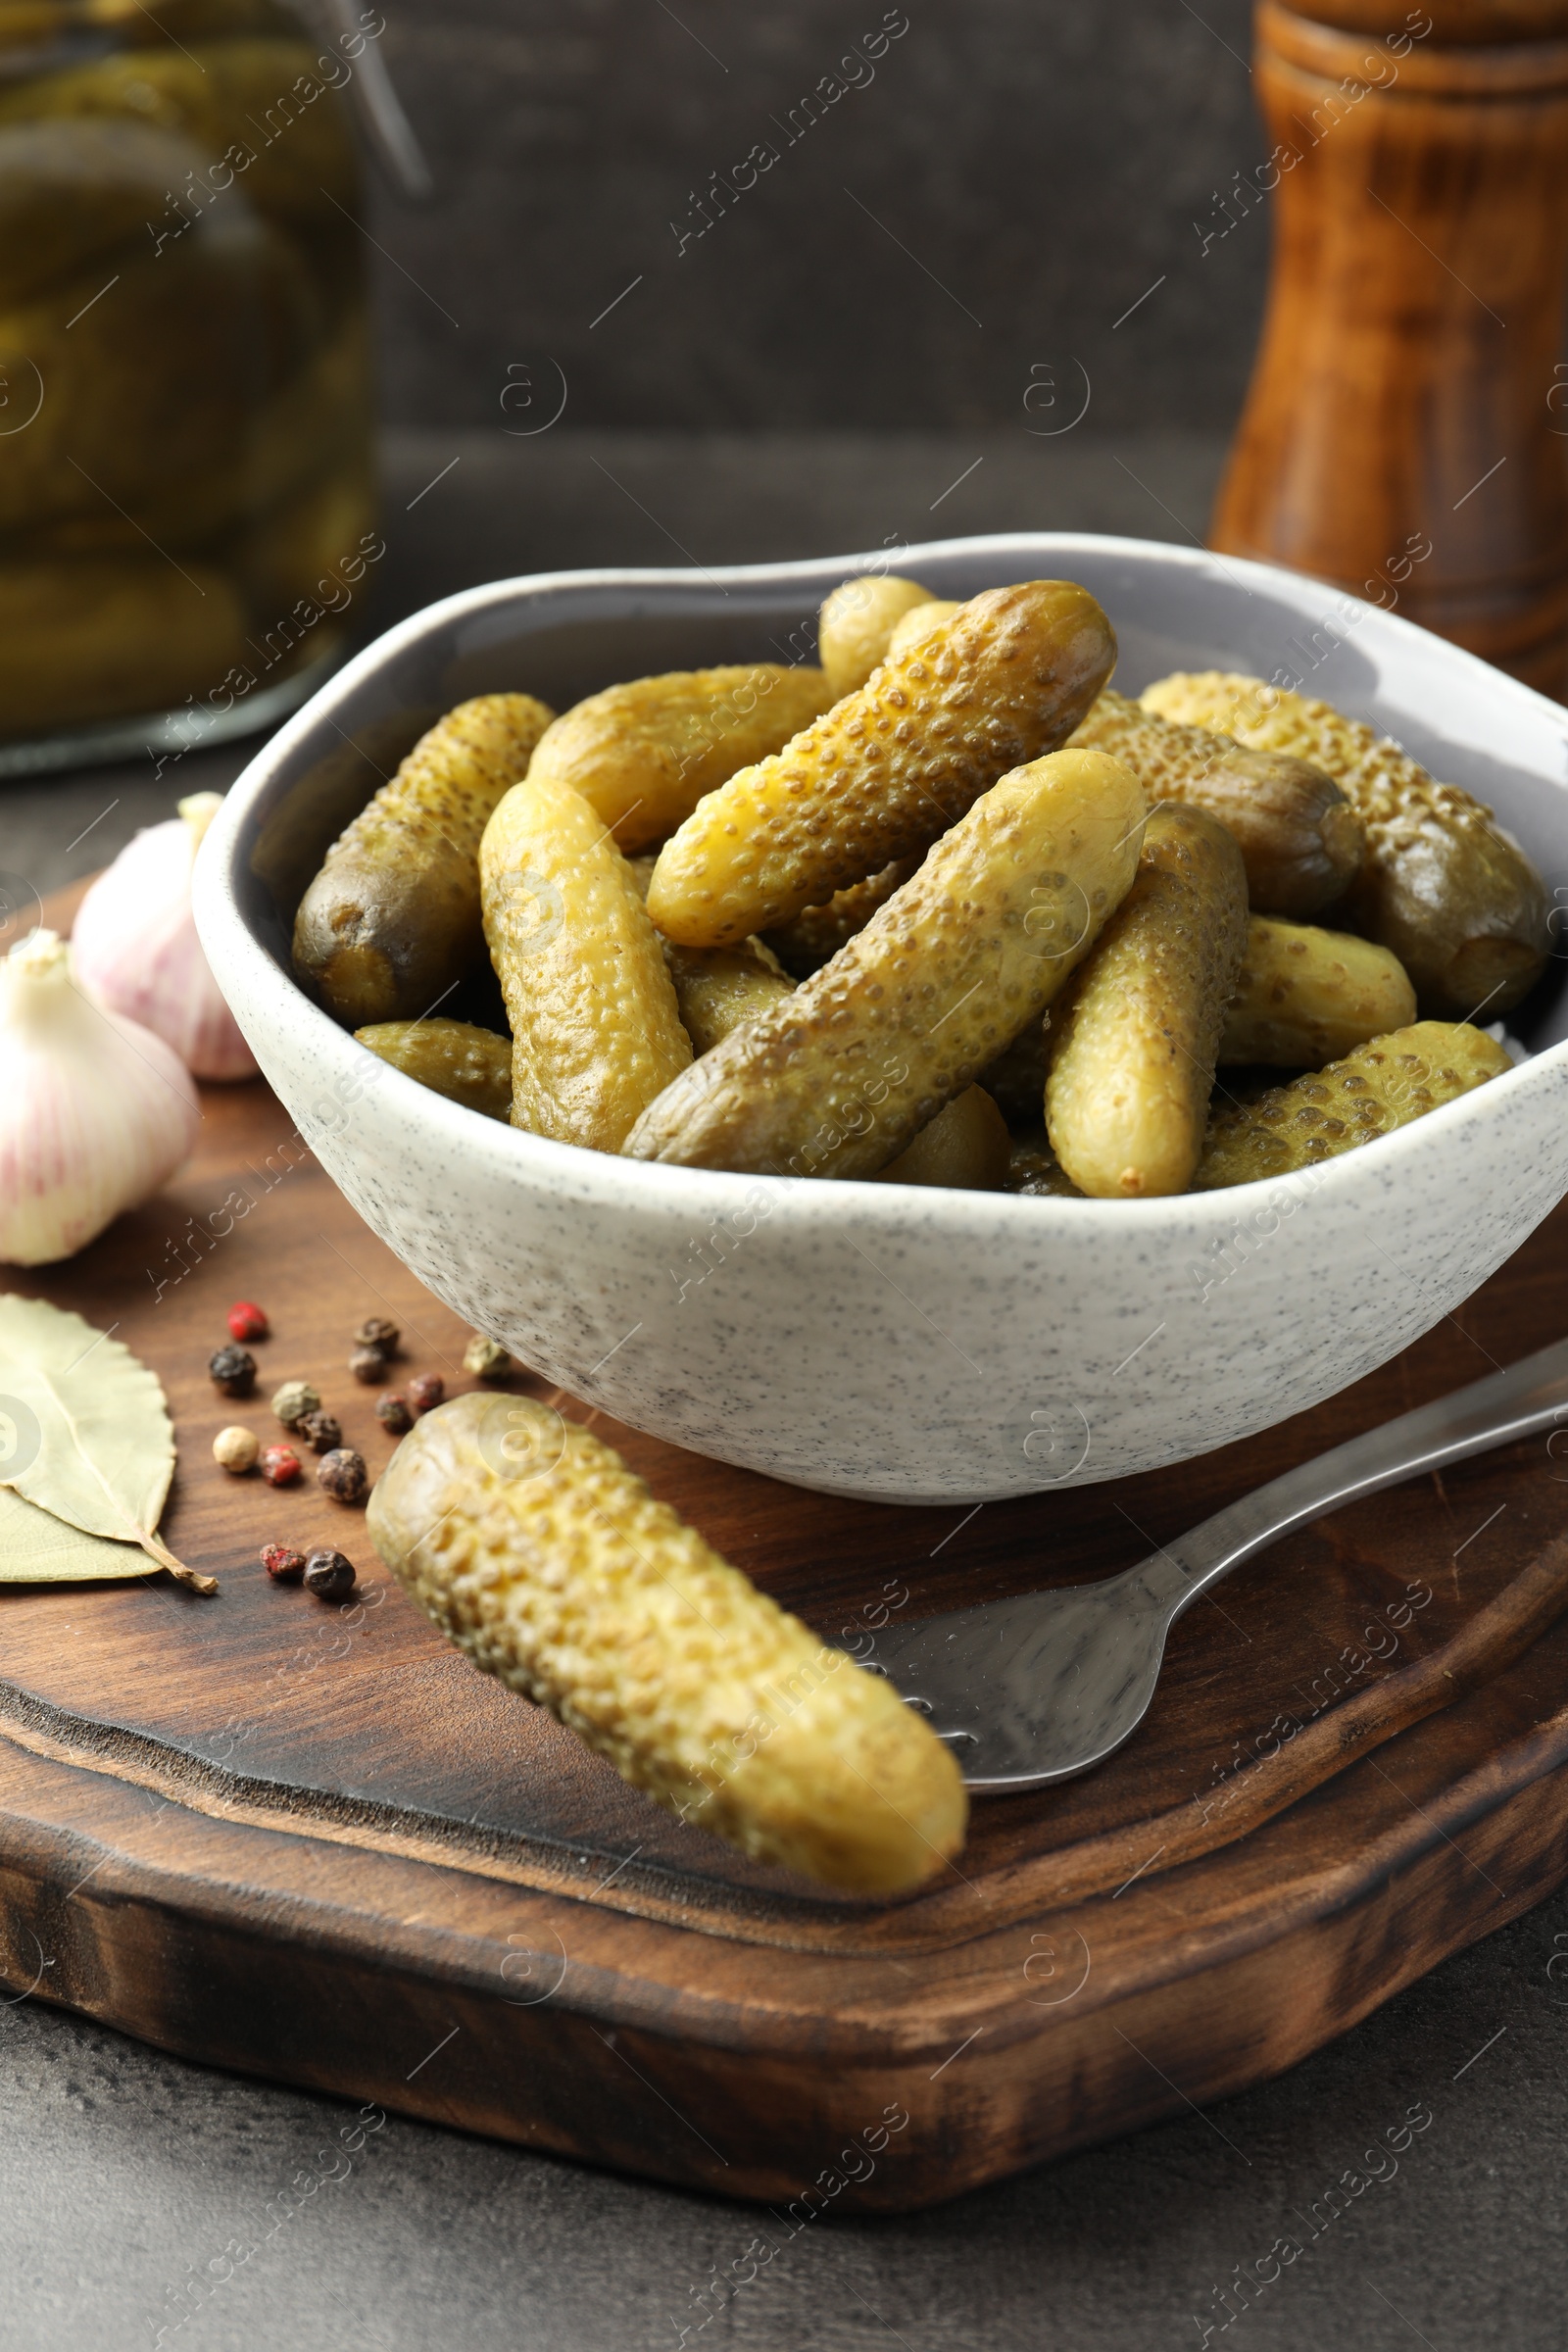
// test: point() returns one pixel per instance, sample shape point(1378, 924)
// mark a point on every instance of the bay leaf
point(84, 1429)
point(37, 1548)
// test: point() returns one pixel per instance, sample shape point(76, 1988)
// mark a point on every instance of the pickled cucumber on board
point(816, 933)
point(468, 1065)
point(596, 1030)
point(1300, 840)
point(966, 1148)
point(537, 1551)
point(1133, 1045)
point(1443, 885)
point(1304, 996)
point(838, 1077)
point(919, 623)
point(890, 767)
point(645, 753)
point(856, 622)
point(392, 921)
point(716, 989)
point(92, 636)
point(1379, 1086)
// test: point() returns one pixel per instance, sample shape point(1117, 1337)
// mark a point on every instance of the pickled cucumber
point(1304, 996)
point(1379, 1086)
point(1133, 1047)
point(538, 1553)
point(468, 1065)
point(1034, 1170)
point(1444, 886)
point(890, 767)
point(595, 1025)
point(392, 921)
point(72, 191)
point(854, 624)
point(94, 636)
point(838, 1078)
point(644, 754)
point(716, 989)
point(817, 932)
point(1300, 840)
point(966, 1148)
point(919, 623)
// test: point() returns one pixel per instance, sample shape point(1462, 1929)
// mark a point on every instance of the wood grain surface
point(1403, 436)
point(315, 1845)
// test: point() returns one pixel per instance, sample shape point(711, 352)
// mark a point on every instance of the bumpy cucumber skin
point(595, 1027)
point(889, 768)
point(538, 1553)
point(392, 920)
point(1303, 996)
point(1442, 885)
point(1369, 1093)
point(642, 753)
point(468, 1065)
point(1301, 842)
point(1133, 1047)
point(816, 933)
point(837, 1079)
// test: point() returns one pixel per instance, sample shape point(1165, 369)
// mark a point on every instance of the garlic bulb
point(95, 1111)
point(135, 946)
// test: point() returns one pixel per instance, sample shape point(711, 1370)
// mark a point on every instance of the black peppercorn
point(393, 1414)
point(320, 1431)
point(234, 1370)
point(426, 1391)
point(376, 1332)
point(342, 1475)
point(369, 1364)
point(328, 1575)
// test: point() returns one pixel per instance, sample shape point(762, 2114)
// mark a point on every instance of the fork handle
point(1528, 1397)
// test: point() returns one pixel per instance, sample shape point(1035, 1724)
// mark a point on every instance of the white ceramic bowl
point(912, 1346)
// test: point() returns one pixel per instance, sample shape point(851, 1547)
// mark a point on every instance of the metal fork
point(1035, 1690)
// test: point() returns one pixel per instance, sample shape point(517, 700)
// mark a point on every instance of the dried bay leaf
point(84, 1430)
point(37, 1548)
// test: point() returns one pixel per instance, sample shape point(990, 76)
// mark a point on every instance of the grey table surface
point(131, 2185)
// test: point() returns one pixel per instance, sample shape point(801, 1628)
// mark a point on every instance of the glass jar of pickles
point(186, 500)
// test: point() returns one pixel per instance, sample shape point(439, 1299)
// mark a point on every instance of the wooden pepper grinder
point(1408, 394)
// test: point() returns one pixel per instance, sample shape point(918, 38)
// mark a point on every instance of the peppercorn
point(393, 1414)
point(425, 1391)
point(376, 1332)
point(280, 1465)
point(486, 1358)
point(236, 1450)
point(342, 1474)
point(282, 1565)
point(247, 1321)
point(293, 1400)
point(233, 1371)
point(320, 1431)
point(368, 1365)
point(328, 1575)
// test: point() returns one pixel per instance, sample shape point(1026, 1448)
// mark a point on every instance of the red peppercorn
point(425, 1390)
point(247, 1321)
point(283, 1566)
point(328, 1575)
point(279, 1465)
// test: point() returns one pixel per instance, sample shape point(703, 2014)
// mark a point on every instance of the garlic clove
point(95, 1111)
point(135, 946)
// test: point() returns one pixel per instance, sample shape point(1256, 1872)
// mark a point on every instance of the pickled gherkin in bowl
point(186, 503)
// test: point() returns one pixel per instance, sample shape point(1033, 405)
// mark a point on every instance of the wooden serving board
point(317, 1845)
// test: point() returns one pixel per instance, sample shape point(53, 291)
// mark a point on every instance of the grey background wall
point(1007, 179)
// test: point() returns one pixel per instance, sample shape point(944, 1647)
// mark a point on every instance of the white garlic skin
point(135, 946)
point(95, 1111)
